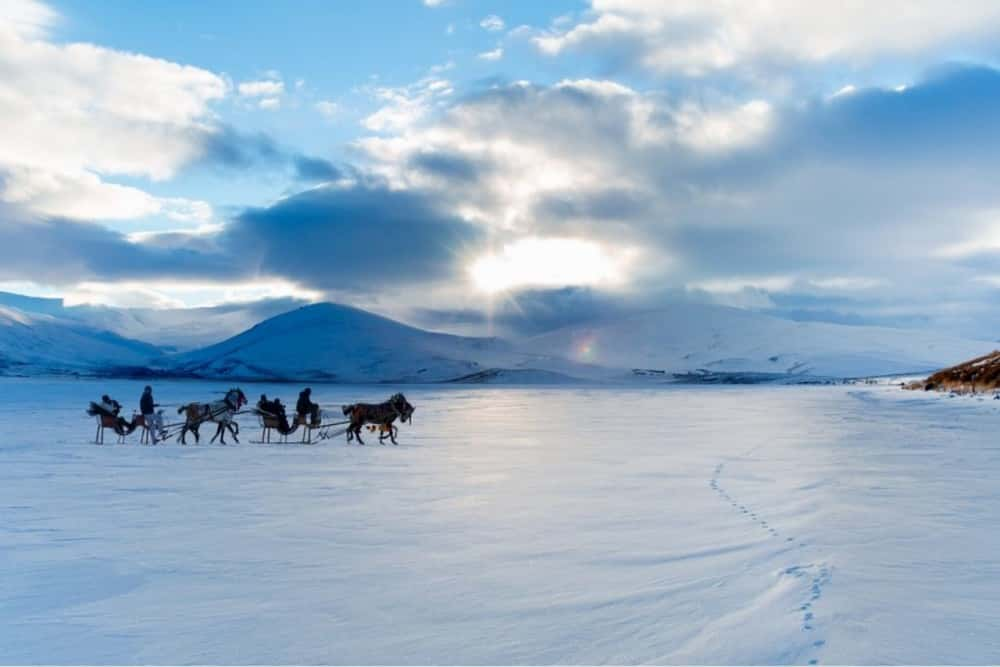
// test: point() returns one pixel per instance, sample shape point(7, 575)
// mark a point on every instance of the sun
point(550, 262)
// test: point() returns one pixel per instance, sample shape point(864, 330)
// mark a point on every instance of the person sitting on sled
point(276, 410)
point(282, 415)
point(305, 407)
point(113, 408)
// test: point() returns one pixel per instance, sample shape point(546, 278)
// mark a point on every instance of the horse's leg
point(392, 434)
point(219, 433)
point(184, 430)
point(234, 428)
point(357, 434)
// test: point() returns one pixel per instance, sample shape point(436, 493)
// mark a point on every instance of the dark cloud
point(534, 311)
point(451, 166)
point(358, 238)
point(314, 170)
point(229, 147)
point(64, 252)
point(609, 204)
point(351, 239)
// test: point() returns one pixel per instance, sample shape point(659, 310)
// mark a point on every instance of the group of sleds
point(272, 417)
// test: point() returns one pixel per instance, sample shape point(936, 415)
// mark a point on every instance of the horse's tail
point(182, 409)
point(347, 409)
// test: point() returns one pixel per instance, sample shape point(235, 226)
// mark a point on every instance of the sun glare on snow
point(549, 262)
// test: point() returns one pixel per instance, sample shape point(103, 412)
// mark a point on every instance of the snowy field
point(512, 525)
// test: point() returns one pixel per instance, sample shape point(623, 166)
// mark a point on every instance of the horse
point(380, 414)
point(220, 412)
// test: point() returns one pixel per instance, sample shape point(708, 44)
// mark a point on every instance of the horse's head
point(236, 397)
point(403, 407)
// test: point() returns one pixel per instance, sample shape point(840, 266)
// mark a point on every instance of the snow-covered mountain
point(343, 344)
point(34, 343)
point(685, 338)
point(339, 343)
point(173, 329)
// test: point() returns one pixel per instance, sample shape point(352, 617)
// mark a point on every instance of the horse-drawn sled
point(310, 420)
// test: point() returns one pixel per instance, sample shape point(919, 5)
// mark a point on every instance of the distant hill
point(173, 329)
point(336, 343)
point(700, 339)
point(33, 343)
point(343, 344)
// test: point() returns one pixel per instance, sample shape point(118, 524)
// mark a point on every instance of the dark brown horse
point(380, 414)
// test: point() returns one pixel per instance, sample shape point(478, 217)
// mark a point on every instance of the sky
point(487, 167)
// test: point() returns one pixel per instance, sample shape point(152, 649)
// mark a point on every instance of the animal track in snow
point(743, 509)
point(819, 574)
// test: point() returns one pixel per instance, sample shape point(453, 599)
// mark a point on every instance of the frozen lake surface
point(511, 525)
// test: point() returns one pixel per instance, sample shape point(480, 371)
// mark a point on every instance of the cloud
point(233, 149)
point(404, 107)
point(115, 114)
point(698, 38)
point(492, 23)
point(229, 147)
point(451, 167)
point(352, 238)
point(882, 194)
point(67, 252)
point(315, 170)
point(262, 88)
point(84, 196)
point(327, 108)
point(28, 17)
point(494, 55)
point(359, 238)
point(529, 312)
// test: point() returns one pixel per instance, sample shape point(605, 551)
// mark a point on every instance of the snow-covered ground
point(765, 524)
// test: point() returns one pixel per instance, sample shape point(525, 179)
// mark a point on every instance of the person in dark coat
point(305, 406)
point(282, 415)
point(275, 409)
point(152, 418)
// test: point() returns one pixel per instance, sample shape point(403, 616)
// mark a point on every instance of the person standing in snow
point(152, 418)
point(305, 406)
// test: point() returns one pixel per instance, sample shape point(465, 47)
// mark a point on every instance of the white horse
point(219, 412)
